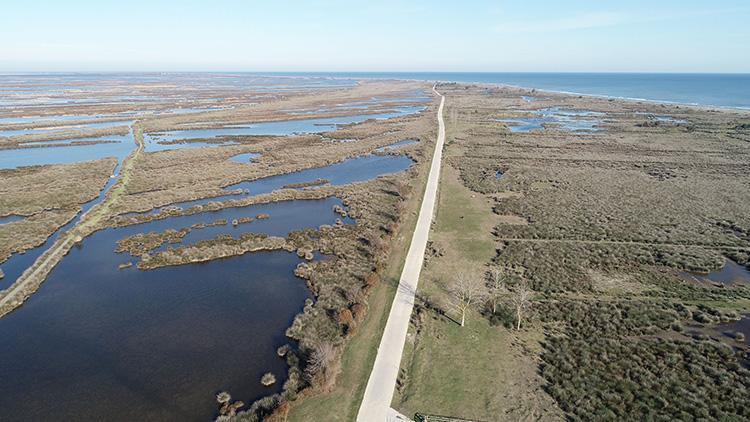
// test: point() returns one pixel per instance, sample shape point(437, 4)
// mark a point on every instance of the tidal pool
point(99, 343)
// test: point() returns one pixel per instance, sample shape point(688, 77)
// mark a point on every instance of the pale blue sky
point(634, 35)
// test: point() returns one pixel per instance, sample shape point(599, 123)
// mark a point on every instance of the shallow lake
point(99, 343)
point(58, 152)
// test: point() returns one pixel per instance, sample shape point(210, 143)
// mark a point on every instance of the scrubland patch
point(613, 218)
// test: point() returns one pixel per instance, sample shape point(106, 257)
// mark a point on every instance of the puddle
point(245, 158)
point(663, 118)
point(731, 329)
point(730, 274)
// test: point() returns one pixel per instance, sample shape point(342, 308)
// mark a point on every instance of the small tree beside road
point(467, 290)
point(497, 286)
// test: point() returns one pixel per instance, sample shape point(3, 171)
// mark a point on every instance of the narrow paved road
point(376, 402)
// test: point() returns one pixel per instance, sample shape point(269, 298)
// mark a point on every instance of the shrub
point(268, 379)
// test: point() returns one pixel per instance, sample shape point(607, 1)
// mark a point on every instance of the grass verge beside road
point(478, 371)
point(342, 402)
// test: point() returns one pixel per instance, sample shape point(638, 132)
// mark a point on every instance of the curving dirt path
point(376, 403)
point(31, 279)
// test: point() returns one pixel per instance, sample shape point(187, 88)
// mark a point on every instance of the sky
point(387, 35)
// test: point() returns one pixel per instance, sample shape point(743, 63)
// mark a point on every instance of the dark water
point(569, 120)
point(741, 326)
point(98, 343)
point(711, 89)
point(286, 216)
point(730, 274)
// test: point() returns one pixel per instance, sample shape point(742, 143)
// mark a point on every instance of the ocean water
point(706, 89)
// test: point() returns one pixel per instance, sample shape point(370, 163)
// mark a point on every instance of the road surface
point(376, 403)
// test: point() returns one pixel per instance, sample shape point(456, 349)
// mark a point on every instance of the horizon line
point(478, 72)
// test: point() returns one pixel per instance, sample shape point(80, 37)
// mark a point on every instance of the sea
point(725, 90)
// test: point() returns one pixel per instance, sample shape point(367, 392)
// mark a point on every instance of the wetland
point(149, 318)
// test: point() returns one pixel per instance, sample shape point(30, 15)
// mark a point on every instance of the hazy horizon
point(342, 73)
point(336, 36)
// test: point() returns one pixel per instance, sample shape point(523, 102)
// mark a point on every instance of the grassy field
point(484, 371)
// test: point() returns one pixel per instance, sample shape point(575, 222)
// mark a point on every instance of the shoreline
point(356, 78)
point(550, 91)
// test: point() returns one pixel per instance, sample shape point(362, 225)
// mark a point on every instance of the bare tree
point(466, 291)
point(521, 299)
point(497, 286)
